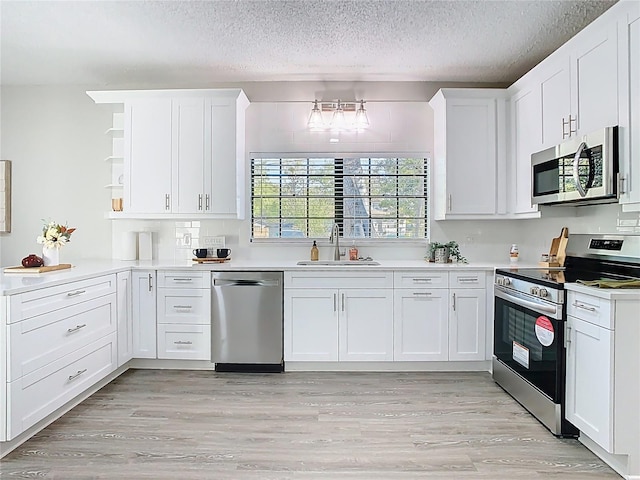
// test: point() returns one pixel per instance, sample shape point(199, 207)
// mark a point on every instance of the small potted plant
point(446, 251)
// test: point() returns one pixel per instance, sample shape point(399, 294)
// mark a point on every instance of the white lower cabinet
point(590, 380)
point(338, 324)
point(143, 286)
point(365, 325)
point(421, 324)
point(124, 317)
point(184, 315)
point(61, 340)
point(467, 324)
point(310, 325)
point(603, 385)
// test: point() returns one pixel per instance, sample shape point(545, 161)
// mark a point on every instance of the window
point(368, 197)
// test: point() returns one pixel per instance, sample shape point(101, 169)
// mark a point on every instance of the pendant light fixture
point(362, 121)
point(338, 121)
point(315, 119)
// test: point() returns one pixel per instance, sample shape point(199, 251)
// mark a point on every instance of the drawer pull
point(422, 280)
point(468, 279)
point(584, 307)
point(77, 374)
point(182, 342)
point(77, 292)
point(422, 293)
point(182, 307)
point(76, 328)
point(179, 279)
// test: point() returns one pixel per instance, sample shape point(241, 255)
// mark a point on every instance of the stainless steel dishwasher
point(247, 321)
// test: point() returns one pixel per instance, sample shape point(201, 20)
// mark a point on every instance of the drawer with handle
point(40, 340)
point(184, 306)
point(467, 279)
point(45, 300)
point(184, 342)
point(183, 279)
point(34, 396)
point(598, 311)
point(415, 279)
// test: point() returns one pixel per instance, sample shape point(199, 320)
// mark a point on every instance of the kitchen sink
point(338, 262)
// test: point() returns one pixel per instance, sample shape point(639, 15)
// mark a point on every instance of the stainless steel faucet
point(335, 234)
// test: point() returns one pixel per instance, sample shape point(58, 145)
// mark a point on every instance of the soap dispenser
point(353, 252)
point(314, 252)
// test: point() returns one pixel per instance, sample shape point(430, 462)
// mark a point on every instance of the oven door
point(529, 339)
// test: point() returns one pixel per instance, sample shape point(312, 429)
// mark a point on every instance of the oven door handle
point(518, 300)
point(576, 170)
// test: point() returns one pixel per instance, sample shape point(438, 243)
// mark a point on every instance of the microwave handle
point(576, 172)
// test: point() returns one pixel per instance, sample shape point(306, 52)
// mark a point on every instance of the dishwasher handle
point(245, 283)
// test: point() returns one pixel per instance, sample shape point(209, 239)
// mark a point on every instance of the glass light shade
point(338, 122)
point(362, 121)
point(315, 119)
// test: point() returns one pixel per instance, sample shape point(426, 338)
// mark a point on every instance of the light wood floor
point(182, 425)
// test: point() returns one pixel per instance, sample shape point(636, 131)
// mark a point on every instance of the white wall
point(55, 137)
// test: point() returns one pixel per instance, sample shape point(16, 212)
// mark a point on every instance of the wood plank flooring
point(183, 425)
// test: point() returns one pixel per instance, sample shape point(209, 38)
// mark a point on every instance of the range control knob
point(506, 281)
point(499, 281)
point(543, 293)
point(534, 291)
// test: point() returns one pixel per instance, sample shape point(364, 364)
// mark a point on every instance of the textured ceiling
point(189, 43)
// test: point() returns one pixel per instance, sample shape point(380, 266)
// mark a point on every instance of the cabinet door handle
point(449, 203)
point(76, 293)
point(343, 302)
point(454, 302)
point(206, 201)
point(200, 202)
point(167, 202)
point(182, 342)
point(182, 307)
point(76, 328)
point(575, 122)
point(584, 307)
point(77, 374)
point(150, 282)
point(422, 294)
point(621, 181)
point(334, 302)
point(565, 134)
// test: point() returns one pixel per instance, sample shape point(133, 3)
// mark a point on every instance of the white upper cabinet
point(526, 135)
point(184, 152)
point(147, 144)
point(629, 88)
point(469, 153)
point(555, 101)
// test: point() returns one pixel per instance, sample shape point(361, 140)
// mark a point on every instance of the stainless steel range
point(530, 318)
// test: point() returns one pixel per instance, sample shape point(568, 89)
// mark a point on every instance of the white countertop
point(606, 293)
point(14, 283)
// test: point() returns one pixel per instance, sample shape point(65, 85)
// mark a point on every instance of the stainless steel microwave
point(582, 170)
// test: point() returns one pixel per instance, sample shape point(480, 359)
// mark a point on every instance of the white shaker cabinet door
point(189, 155)
point(590, 380)
point(555, 100)
point(124, 315)
point(311, 325)
point(366, 325)
point(148, 155)
point(421, 324)
point(144, 314)
point(467, 324)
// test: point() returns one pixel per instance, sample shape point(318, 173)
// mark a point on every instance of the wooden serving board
point(50, 268)
point(211, 260)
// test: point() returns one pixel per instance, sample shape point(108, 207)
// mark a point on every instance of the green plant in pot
point(452, 249)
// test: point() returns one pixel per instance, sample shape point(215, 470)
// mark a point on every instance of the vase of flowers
point(54, 236)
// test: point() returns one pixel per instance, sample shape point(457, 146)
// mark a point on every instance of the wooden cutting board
point(50, 268)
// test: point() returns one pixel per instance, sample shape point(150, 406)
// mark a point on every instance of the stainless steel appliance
point(581, 170)
point(530, 318)
point(247, 321)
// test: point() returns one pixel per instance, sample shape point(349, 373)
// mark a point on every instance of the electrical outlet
point(186, 240)
point(213, 242)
